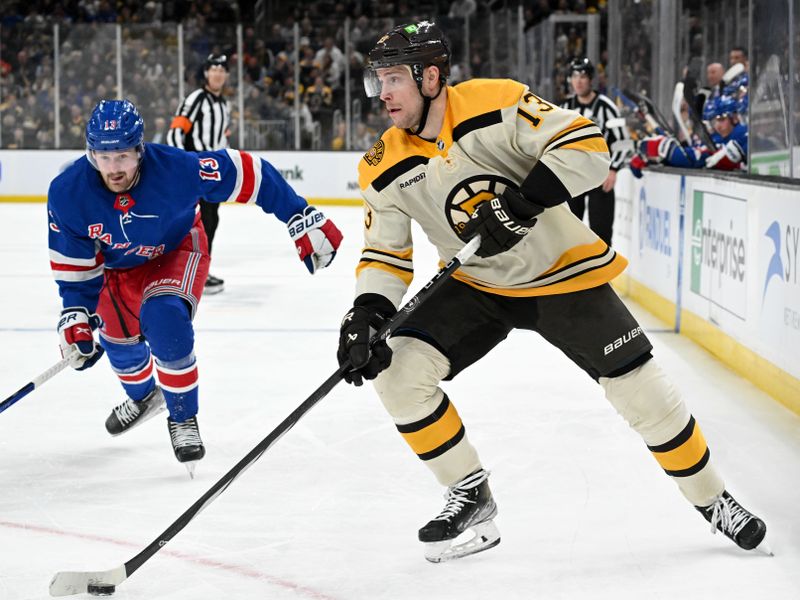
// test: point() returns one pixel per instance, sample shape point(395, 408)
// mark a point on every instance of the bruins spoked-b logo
point(375, 154)
point(468, 194)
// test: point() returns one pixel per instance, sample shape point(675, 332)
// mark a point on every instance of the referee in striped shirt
point(203, 123)
point(600, 109)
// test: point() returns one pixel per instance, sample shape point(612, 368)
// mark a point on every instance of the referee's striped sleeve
point(615, 130)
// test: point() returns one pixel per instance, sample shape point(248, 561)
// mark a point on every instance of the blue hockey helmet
point(708, 109)
point(725, 106)
point(115, 125)
point(744, 101)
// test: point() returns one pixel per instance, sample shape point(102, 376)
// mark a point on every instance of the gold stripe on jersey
point(435, 434)
point(576, 254)
point(593, 278)
point(396, 263)
point(590, 143)
point(579, 123)
point(685, 454)
point(482, 96)
point(580, 268)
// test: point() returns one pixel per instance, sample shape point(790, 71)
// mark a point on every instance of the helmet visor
point(372, 85)
point(389, 80)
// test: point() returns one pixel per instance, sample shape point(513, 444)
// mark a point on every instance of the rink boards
point(716, 257)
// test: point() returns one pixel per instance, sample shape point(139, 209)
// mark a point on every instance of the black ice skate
point(186, 442)
point(469, 506)
point(745, 529)
point(129, 414)
point(214, 285)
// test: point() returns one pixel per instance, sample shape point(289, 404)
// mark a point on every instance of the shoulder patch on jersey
point(388, 158)
point(375, 154)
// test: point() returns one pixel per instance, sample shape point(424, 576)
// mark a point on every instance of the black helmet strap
point(416, 71)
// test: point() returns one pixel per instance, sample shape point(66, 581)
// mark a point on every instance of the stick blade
point(68, 583)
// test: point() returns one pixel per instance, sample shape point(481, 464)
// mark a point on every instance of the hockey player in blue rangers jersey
point(729, 135)
point(129, 255)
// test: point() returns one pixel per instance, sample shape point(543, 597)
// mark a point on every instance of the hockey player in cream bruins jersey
point(490, 157)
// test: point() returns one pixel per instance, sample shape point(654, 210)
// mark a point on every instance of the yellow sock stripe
point(435, 434)
point(685, 454)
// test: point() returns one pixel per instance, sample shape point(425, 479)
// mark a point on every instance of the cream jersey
point(493, 134)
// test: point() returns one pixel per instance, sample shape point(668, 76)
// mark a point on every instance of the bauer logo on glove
point(316, 238)
point(75, 328)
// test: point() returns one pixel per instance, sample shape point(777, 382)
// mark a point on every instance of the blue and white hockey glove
point(316, 238)
point(75, 328)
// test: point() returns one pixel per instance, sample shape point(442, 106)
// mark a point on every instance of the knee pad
point(126, 357)
point(411, 382)
point(167, 326)
point(648, 401)
point(652, 406)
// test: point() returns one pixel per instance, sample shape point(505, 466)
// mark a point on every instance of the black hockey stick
point(66, 583)
point(36, 382)
point(650, 112)
point(698, 127)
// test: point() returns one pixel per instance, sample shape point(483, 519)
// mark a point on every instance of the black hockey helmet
point(417, 45)
point(581, 65)
point(213, 60)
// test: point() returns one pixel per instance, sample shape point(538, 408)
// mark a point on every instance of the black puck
point(101, 589)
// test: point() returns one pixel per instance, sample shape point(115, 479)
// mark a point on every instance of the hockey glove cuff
point(369, 313)
point(75, 328)
point(637, 165)
point(316, 238)
point(502, 222)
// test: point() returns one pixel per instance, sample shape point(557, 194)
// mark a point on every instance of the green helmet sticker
point(411, 29)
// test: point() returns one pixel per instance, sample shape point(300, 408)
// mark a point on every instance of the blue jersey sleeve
point(235, 176)
point(76, 263)
point(687, 157)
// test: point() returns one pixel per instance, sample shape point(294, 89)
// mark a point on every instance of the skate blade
point(764, 548)
point(190, 467)
point(161, 408)
point(486, 536)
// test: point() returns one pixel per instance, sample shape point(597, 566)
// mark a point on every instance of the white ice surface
point(332, 510)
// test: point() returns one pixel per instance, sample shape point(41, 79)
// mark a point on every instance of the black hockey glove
point(502, 222)
point(369, 313)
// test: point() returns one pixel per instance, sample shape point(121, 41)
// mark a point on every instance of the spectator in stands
point(364, 137)
point(330, 52)
point(339, 141)
point(738, 55)
point(714, 73)
point(159, 130)
point(461, 9)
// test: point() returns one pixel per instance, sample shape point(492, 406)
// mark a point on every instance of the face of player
point(723, 126)
point(117, 168)
point(736, 57)
point(401, 97)
point(216, 76)
point(581, 83)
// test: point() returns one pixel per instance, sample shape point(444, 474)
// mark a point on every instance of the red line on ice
point(209, 562)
